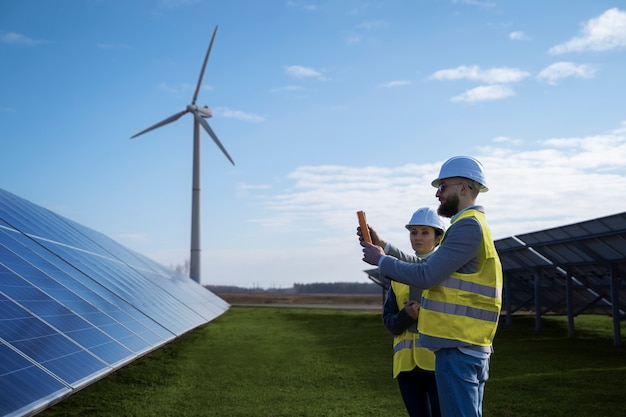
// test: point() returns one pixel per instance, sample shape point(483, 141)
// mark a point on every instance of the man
point(463, 289)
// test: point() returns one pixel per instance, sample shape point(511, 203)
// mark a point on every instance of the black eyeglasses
point(442, 186)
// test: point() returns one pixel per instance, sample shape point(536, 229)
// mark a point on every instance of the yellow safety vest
point(407, 350)
point(466, 307)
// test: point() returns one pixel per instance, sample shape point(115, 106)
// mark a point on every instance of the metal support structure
point(615, 306)
point(537, 274)
point(569, 304)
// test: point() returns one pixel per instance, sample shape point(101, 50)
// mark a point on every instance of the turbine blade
point(162, 123)
point(206, 59)
point(208, 129)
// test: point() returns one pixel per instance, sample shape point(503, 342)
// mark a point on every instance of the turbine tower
point(199, 114)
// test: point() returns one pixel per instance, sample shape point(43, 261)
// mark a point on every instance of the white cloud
point(238, 114)
point(549, 183)
point(372, 24)
point(496, 75)
point(302, 5)
point(605, 32)
point(16, 39)
point(511, 174)
point(182, 88)
point(484, 93)
point(518, 36)
point(479, 3)
point(287, 88)
point(560, 70)
point(168, 88)
point(365, 26)
point(395, 83)
point(506, 139)
point(353, 39)
point(601, 152)
point(299, 71)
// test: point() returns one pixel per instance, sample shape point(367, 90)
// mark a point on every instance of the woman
point(413, 366)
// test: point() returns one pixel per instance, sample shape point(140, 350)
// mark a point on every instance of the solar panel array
point(591, 253)
point(75, 305)
point(569, 269)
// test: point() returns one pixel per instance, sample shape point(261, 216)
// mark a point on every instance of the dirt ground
point(300, 299)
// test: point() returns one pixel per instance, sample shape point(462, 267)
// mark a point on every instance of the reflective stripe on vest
point(459, 310)
point(466, 307)
point(485, 290)
point(406, 344)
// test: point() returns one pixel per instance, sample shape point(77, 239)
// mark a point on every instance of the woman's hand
point(412, 307)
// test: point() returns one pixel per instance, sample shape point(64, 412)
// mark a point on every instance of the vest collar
point(456, 216)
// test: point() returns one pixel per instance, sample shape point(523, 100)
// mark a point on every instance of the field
point(290, 362)
point(275, 299)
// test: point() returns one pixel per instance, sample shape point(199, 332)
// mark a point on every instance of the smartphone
point(365, 231)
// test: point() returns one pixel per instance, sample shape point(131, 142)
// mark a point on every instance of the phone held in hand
point(365, 231)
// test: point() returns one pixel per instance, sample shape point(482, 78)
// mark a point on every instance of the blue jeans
point(461, 383)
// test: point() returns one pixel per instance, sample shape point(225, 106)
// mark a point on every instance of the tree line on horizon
point(297, 288)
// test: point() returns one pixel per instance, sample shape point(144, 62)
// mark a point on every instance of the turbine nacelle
point(203, 111)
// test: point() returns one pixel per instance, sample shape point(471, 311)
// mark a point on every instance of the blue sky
point(326, 107)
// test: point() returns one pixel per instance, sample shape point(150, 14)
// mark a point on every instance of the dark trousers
point(419, 392)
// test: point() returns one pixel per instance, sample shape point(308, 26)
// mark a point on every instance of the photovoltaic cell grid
point(593, 253)
point(75, 305)
point(569, 269)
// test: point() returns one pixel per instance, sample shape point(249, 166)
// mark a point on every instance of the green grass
point(549, 374)
point(267, 362)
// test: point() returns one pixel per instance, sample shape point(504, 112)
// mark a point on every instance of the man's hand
point(371, 253)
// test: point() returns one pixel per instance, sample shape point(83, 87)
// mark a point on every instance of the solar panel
point(375, 276)
point(75, 305)
point(573, 269)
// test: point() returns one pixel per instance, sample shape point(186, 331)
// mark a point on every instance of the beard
point(449, 207)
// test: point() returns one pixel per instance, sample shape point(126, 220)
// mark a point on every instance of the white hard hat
point(426, 216)
point(463, 166)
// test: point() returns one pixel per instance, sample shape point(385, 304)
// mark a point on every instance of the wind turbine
point(199, 114)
